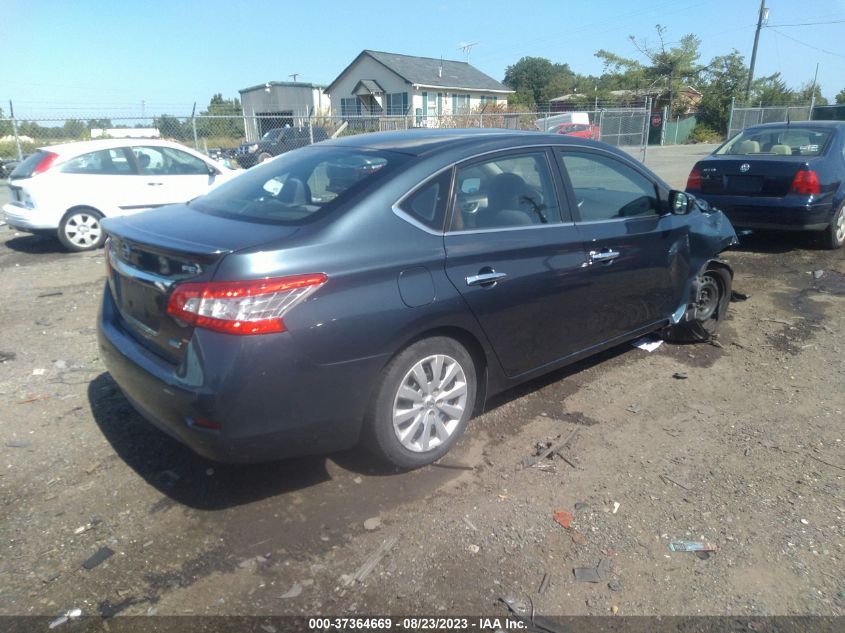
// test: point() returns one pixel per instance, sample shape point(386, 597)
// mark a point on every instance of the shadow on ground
point(182, 475)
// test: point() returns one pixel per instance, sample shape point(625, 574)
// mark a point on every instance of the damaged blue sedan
point(380, 288)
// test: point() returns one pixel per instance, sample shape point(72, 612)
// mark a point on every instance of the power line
point(789, 37)
point(807, 23)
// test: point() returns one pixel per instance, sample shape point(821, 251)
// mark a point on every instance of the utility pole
point(763, 15)
point(813, 93)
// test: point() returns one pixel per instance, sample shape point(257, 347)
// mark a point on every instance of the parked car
point(383, 286)
point(581, 130)
point(278, 141)
point(65, 190)
point(782, 176)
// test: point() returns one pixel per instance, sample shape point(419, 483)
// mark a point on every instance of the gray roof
point(426, 71)
point(283, 84)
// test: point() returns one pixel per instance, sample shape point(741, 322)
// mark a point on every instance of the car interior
point(779, 142)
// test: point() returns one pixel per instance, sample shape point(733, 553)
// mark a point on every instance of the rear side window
point(106, 161)
point(427, 204)
point(299, 185)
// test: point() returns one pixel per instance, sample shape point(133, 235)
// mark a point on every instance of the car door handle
point(485, 278)
point(155, 184)
point(603, 256)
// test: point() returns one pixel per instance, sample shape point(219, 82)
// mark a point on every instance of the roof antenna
point(466, 47)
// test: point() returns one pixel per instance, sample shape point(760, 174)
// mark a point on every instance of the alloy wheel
point(83, 230)
point(430, 402)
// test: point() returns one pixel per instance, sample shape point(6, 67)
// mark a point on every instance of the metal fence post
point(731, 118)
point(194, 125)
point(15, 130)
point(663, 126)
point(645, 127)
point(310, 127)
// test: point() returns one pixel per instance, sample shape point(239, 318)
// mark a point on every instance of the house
point(276, 104)
point(378, 84)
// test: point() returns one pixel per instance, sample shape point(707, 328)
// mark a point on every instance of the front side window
point(300, 185)
point(608, 189)
point(513, 190)
point(166, 161)
point(107, 161)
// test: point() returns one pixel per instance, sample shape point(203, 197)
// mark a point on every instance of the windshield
point(778, 141)
point(299, 185)
point(272, 134)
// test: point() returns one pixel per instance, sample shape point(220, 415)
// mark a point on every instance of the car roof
point(424, 142)
point(80, 147)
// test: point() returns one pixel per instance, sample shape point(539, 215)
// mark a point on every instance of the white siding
point(366, 68)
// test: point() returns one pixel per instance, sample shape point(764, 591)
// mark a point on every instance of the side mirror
point(680, 203)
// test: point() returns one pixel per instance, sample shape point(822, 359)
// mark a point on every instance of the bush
point(703, 133)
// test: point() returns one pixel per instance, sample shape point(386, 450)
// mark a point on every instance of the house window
point(429, 103)
point(460, 104)
point(487, 99)
point(350, 107)
point(397, 103)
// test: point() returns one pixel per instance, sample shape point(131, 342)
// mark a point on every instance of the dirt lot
point(739, 443)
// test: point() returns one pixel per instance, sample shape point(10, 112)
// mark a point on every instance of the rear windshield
point(778, 141)
point(299, 185)
point(25, 169)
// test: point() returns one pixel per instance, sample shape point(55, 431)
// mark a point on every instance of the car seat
point(507, 196)
point(748, 147)
point(295, 192)
point(780, 148)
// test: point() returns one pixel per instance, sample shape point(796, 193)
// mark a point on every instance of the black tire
point(264, 156)
point(712, 294)
point(382, 430)
point(80, 229)
point(834, 235)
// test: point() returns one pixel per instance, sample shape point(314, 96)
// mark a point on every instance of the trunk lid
point(764, 177)
point(150, 253)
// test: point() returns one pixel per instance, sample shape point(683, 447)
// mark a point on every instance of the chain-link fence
point(224, 137)
point(742, 117)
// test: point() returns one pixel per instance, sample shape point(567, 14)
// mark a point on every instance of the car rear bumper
point(269, 400)
point(30, 220)
point(772, 213)
point(247, 160)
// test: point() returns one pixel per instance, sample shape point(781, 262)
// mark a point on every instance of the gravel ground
point(739, 443)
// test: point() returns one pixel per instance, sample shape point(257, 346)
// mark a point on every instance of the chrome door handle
point(155, 184)
point(485, 278)
point(603, 256)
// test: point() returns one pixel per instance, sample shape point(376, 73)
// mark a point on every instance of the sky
point(111, 58)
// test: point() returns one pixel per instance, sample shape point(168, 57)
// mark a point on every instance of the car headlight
point(252, 149)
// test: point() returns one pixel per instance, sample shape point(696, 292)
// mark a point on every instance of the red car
point(582, 130)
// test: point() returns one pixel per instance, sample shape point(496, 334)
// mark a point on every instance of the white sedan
point(65, 190)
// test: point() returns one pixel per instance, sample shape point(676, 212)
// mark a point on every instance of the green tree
point(809, 90)
point(722, 80)
point(840, 97)
point(536, 80)
point(171, 127)
point(772, 91)
point(665, 69)
point(75, 129)
point(222, 118)
point(6, 124)
point(103, 124)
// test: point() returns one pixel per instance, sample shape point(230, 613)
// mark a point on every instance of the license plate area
point(744, 184)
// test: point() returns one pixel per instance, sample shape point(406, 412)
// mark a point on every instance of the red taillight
point(694, 180)
point(806, 182)
point(241, 307)
point(44, 164)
